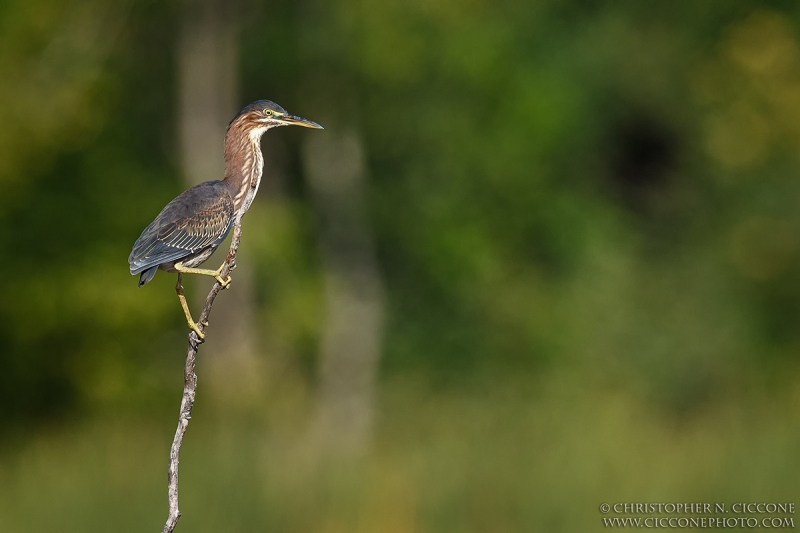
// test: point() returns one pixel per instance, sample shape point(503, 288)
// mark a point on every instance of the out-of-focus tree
point(352, 335)
point(209, 98)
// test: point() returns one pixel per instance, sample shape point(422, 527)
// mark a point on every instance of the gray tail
point(147, 275)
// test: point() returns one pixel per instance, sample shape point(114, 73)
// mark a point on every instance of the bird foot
point(224, 282)
point(217, 276)
point(194, 327)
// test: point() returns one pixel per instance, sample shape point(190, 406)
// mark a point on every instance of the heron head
point(262, 115)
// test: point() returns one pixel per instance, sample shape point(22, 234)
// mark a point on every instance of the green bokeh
point(586, 219)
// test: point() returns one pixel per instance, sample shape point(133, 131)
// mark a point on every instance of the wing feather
point(198, 218)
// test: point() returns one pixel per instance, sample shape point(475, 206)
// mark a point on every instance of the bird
point(191, 227)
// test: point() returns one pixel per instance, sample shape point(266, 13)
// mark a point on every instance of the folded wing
point(200, 217)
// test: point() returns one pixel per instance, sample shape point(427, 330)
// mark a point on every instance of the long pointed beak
point(291, 120)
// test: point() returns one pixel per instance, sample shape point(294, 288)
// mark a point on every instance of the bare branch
point(190, 384)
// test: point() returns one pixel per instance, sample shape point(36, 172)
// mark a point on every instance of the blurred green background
point(580, 227)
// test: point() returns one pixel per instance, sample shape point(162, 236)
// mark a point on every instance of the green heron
point(191, 227)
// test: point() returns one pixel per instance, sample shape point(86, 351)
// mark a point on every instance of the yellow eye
point(268, 112)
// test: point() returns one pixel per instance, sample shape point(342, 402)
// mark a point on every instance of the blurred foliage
point(586, 218)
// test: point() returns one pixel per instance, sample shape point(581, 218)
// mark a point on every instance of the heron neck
point(244, 165)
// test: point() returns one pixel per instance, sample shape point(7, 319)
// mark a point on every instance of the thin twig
point(190, 384)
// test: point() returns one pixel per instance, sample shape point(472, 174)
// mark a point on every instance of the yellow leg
point(192, 324)
point(205, 272)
